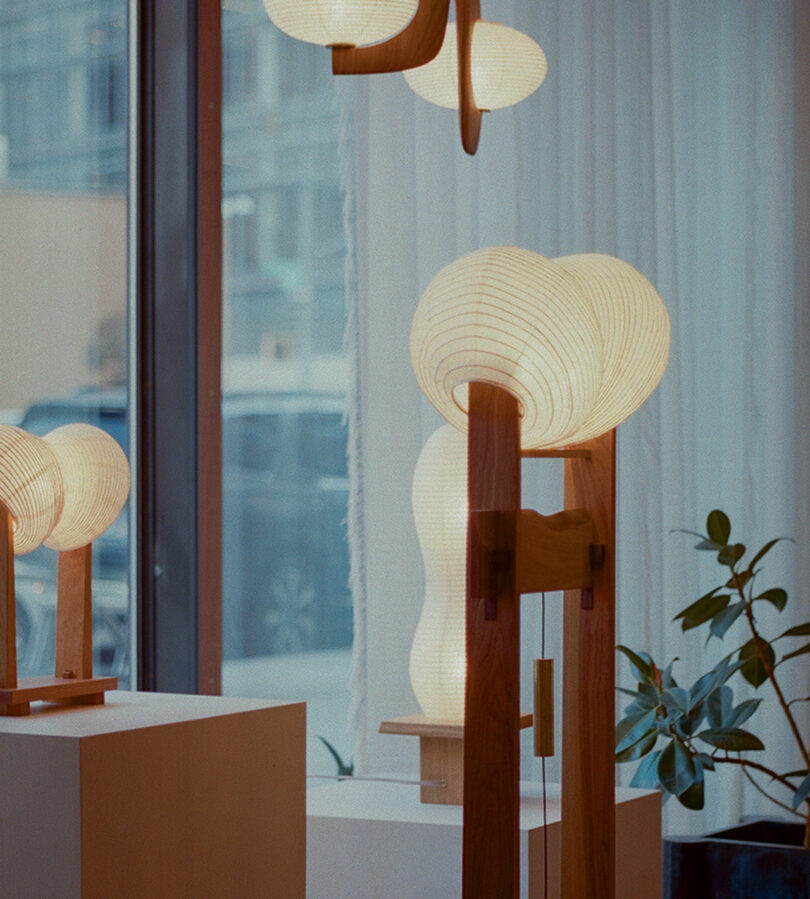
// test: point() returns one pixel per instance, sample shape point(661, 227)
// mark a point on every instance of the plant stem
point(758, 641)
point(768, 796)
point(756, 765)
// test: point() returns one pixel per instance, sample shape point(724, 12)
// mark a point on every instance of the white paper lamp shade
point(341, 22)
point(635, 331)
point(438, 659)
point(30, 486)
point(514, 319)
point(95, 474)
point(507, 66)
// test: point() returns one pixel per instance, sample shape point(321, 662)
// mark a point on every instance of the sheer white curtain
point(665, 135)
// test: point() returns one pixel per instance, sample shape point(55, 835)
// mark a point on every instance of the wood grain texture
point(417, 43)
point(544, 707)
point(588, 771)
point(491, 748)
point(468, 12)
point(553, 551)
point(81, 691)
point(8, 631)
point(74, 614)
point(442, 758)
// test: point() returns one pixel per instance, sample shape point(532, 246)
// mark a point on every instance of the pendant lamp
point(340, 23)
point(506, 64)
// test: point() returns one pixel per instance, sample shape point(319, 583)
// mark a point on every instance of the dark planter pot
point(761, 858)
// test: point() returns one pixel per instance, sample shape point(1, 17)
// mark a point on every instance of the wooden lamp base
point(441, 754)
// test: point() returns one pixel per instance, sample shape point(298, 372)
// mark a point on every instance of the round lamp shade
point(341, 22)
point(95, 474)
point(30, 486)
point(507, 66)
point(438, 661)
point(514, 319)
point(635, 337)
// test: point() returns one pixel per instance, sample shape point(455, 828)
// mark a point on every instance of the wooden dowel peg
point(74, 614)
point(544, 707)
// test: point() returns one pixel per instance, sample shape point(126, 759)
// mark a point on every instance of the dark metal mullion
point(167, 449)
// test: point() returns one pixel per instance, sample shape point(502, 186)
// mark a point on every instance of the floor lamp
point(539, 357)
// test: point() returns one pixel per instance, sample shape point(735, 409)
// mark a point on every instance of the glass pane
point(287, 609)
point(63, 276)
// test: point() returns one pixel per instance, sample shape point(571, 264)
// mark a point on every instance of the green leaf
point(705, 761)
point(719, 705)
point(718, 527)
point(642, 669)
point(693, 797)
point(630, 730)
point(738, 580)
point(730, 555)
point(731, 739)
point(741, 713)
point(646, 776)
point(765, 549)
point(704, 544)
point(753, 669)
point(723, 620)
point(777, 597)
point(676, 770)
point(802, 792)
point(702, 610)
point(801, 630)
point(676, 699)
point(637, 750)
point(796, 652)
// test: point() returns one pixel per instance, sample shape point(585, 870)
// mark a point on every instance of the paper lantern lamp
point(340, 23)
point(30, 486)
point(95, 474)
point(635, 331)
point(437, 663)
point(512, 318)
point(507, 66)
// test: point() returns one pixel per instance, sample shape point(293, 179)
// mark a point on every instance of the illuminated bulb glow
point(30, 486)
point(95, 474)
point(439, 494)
point(507, 66)
point(340, 22)
point(581, 341)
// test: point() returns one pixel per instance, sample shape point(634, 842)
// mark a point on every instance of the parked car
point(285, 487)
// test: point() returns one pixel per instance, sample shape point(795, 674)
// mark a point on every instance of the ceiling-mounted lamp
point(359, 33)
point(507, 66)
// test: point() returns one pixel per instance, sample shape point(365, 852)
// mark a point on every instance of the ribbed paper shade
point(95, 473)
point(438, 662)
point(30, 486)
point(328, 22)
point(635, 337)
point(507, 66)
point(512, 318)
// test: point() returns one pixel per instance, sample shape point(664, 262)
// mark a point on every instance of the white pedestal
point(367, 840)
point(154, 795)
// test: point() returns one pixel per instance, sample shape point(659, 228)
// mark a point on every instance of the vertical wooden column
point(468, 12)
point(491, 748)
point(74, 614)
point(8, 625)
point(588, 771)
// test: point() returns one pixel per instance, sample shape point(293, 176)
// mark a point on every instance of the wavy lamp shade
point(581, 341)
point(507, 66)
point(30, 486)
point(340, 22)
point(438, 663)
point(512, 318)
point(95, 474)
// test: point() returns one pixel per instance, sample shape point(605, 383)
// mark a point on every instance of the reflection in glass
point(63, 208)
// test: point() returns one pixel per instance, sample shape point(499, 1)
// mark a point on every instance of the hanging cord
point(543, 758)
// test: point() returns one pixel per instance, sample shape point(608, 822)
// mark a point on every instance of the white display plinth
point(154, 795)
point(367, 840)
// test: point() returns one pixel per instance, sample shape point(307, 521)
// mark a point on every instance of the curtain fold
point(665, 134)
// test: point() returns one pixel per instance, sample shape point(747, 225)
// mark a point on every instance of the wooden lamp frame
point(417, 44)
point(513, 551)
point(73, 680)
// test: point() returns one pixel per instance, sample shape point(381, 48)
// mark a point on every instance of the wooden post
point(588, 768)
point(468, 12)
point(8, 617)
point(74, 614)
point(491, 707)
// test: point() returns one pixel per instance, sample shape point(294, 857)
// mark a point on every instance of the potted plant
point(681, 733)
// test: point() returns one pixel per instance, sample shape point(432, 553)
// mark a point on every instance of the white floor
point(321, 679)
